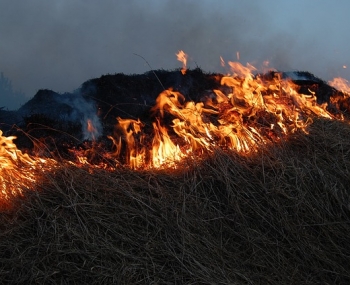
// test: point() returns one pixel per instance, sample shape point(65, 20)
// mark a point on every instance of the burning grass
point(278, 216)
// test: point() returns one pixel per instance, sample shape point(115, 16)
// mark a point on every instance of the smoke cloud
point(60, 44)
point(83, 111)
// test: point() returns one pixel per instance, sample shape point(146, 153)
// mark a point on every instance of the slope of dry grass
point(281, 216)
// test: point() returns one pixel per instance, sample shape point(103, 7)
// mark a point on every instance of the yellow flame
point(164, 151)
point(252, 111)
point(257, 110)
point(17, 169)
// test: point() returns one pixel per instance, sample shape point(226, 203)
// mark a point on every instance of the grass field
point(279, 216)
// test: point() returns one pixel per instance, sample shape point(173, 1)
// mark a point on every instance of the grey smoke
point(60, 44)
point(82, 111)
point(7, 92)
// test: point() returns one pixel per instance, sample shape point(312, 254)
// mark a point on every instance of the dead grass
point(281, 216)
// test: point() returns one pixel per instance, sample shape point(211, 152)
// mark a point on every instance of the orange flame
point(248, 112)
point(130, 130)
point(257, 110)
point(164, 151)
point(91, 129)
point(17, 169)
point(182, 57)
point(341, 84)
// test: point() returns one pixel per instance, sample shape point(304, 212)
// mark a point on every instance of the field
point(278, 216)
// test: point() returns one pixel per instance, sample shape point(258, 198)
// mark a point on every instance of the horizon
point(61, 45)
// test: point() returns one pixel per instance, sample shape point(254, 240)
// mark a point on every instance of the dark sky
point(60, 44)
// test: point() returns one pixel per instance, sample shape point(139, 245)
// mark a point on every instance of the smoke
point(8, 97)
point(83, 111)
point(59, 45)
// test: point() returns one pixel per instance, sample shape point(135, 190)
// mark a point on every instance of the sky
point(60, 44)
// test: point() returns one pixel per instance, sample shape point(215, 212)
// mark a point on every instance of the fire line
point(256, 110)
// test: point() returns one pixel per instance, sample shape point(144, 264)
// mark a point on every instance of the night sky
point(60, 44)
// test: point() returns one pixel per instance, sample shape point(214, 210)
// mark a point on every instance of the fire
point(182, 57)
point(248, 112)
point(17, 170)
point(91, 129)
point(257, 111)
point(222, 61)
point(131, 131)
point(164, 151)
point(341, 84)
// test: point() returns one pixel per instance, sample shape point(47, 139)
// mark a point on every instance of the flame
point(182, 57)
point(257, 111)
point(341, 84)
point(91, 129)
point(222, 61)
point(130, 133)
point(164, 151)
point(18, 171)
point(248, 112)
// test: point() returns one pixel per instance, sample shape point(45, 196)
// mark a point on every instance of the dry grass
point(281, 216)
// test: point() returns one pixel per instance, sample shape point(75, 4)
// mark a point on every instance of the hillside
point(275, 211)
